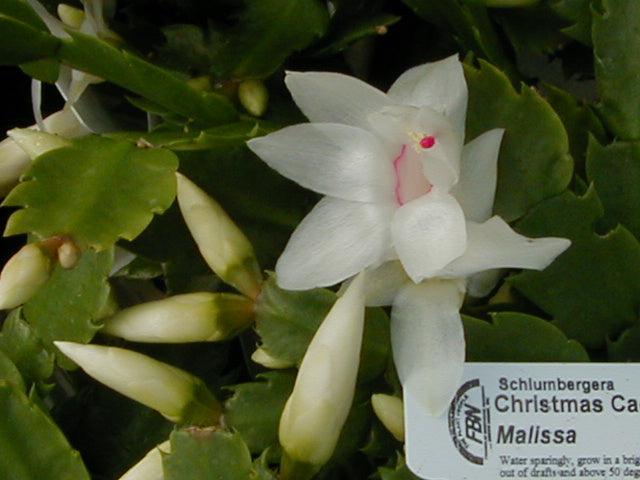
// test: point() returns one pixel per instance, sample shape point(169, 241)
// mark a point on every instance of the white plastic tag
point(531, 421)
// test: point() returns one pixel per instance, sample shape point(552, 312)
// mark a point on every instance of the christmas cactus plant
point(236, 232)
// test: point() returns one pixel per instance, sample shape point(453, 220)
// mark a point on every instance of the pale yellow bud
point(13, 162)
point(176, 394)
point(35, 143)
point(23, 275)
point(150, 466)
point(222, 245)
point(69, 254)
point(71, 16)
point(191, 317)
point(389, 410)
point(261, 357)
point(315, 412)
point(254, 97)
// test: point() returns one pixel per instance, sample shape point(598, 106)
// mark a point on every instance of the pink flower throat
point(411, 182)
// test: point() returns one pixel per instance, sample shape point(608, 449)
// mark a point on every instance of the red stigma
point(428, 142)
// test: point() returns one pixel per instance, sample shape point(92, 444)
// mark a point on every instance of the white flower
point(321, 399)
point(405, 199)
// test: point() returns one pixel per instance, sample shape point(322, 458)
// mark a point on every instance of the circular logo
point(469, 422)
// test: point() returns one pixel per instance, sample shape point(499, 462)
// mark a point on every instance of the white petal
point(384, 282)
point(332, 159)
point(493, 244)
point(480, 284)
point(428, 233)
point(428, 341)
point(440, 85)
point(478, 175)
point(335, 241)
point(334, 97)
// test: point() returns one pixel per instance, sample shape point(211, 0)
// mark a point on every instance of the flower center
point(411, 182)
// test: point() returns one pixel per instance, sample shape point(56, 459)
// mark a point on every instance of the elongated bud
point(191, 317)
point(71, 16)
point(24, 274)
point(390, 412)
point(35, 143)
point(323, 392)
point(177, 395)
point(260, 356)
point(223, 246)
point(13, 162)
point(254, 97)
point(17, 151)
point(150, 466)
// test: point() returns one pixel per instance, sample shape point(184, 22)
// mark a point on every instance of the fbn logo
point(469, 423)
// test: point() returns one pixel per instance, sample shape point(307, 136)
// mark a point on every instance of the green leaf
point(96, 190)
point(254, 409)
point(534, 159)
point(471, 25)
point(45, 70)
point(67, 305)
point(90, 54)
point(578, 12)
point(355, 29)
point(535, 28)
point(516, 337)
point(615, 171)
point(32, 446)
point(10, 374)
point(287, 320)
point(21, 42)
point(267, 32)
point(261, 470)
point(592, 289)
point(111, 431)
point(199, 453)
point(22, 345)
point(625, 348)
point(579, 121)
point(616, 45)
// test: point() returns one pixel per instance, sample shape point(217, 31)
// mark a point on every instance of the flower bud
point(24, 274)
point(261, 357)
point(390, 412)
point(71, 16)
point(222, 245)
point(35, 143)
point(177, 395)
point(191, 317)
point(254, 97)
point(69, 254)
point(150, 466)
point(17, 151)
point(315, 412)
point(13, 162)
